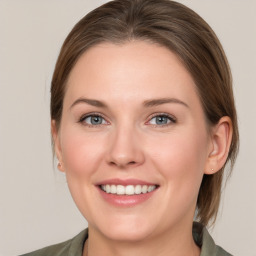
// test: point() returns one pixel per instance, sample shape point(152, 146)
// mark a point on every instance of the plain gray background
point(35, 206)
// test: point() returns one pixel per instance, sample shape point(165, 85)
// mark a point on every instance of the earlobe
point(221, 140)
point(57, 146)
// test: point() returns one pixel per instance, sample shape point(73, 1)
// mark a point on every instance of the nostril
point(122, 165)
point(112, 163)
point(132, 163)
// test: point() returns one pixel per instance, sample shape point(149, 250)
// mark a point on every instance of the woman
point(143, 125)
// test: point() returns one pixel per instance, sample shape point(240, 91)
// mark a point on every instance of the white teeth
point(151, 188)
point(108, 189)
point(127, 190)
point(144, 189)
point(138, 189)
point(120, 190)
point(112, 189)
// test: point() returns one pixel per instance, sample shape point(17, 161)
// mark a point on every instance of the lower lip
point(126, 200)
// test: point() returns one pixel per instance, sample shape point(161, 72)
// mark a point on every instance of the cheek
point(81, 152)
point(181, 156)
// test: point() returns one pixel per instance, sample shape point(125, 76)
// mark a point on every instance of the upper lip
point(125, 182)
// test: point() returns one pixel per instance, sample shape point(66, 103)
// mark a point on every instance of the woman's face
point(132, 122)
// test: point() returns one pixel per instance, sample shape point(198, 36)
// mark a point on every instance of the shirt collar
point(200, 234)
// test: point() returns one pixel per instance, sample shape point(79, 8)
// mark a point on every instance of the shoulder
point(70, 247)
point(205, 241)
point(56, 250)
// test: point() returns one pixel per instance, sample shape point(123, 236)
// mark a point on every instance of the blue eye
point(93, 120)
point(161, 120)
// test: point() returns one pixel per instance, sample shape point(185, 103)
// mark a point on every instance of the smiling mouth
point(128, 189)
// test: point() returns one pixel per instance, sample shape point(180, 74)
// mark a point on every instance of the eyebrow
point(157, 102)
point(146, 103)
point(92, 102)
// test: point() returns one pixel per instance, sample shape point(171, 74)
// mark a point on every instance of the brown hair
point(181, 30)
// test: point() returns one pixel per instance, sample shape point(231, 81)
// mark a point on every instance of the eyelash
point(82, 119)
point(164, 115)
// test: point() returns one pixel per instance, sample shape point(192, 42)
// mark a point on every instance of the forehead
point(134, 68)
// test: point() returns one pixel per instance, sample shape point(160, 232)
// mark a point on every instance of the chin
point(128, 230)
point(128, 234)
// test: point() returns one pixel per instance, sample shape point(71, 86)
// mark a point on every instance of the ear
point(221, 136)
point(57, 145)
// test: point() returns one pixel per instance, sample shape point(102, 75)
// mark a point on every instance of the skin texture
point(130, 145)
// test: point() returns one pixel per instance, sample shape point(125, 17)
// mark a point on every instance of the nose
point(125, 149)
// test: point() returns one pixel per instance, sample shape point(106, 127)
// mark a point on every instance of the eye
point(93, 120)
point(161, 120)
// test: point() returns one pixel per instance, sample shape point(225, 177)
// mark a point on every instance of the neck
point(173, 243)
